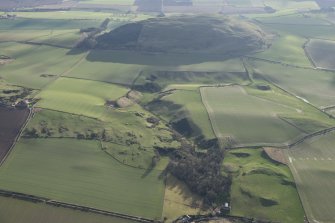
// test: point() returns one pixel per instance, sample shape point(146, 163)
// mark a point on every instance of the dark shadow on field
point(154, 59)
point(76, 51)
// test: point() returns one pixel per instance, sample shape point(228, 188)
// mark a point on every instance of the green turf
point(321, 52)
point(315, 176)
point(32, 62)
point(254, 178)
point(280, 118)
point(40, 213)
point(78, 171)
point(315, 86)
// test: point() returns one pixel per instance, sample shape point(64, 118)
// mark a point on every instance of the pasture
point(321, 53)
point(279, 117)
point(184, 109)
point(41, 213)
point(315, 86)
point(81, 97)
point(179, 200)
point(35, 66)
point(312, 165)
point(287, 49)
point(78, 171)
point(261, 188)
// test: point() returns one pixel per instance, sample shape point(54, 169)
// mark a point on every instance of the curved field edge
point(79, 172)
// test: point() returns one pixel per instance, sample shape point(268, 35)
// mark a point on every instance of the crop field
point(41, 213)
point(81, 97)
point(295, 19)
point(280, 118)
point(11, 121)
point(35, 66)
point(315, 86)
point(312, 164)
point(261, 188)
point(78, 171)
point(321, 52)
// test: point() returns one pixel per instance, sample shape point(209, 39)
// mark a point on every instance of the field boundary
point(47, 201)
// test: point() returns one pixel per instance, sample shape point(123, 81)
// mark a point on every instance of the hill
point(222, 35)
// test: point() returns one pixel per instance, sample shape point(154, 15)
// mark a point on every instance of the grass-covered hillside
point(223, 35)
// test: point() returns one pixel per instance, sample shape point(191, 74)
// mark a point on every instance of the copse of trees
point(202, 174)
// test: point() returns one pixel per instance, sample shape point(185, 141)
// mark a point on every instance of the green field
point(321, 52)
point(280, 118)
point(316, 86)
point(312, 164)
point(35, 66)
point(261, 188)
point(78, 171)
point(185, 105)
point(41, 213)
point(82, 97)
point(287, 49)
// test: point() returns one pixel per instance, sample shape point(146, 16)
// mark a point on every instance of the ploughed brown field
point(11, 121)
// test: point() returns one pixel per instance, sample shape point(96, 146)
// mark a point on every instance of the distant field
point(307, 31)
point(295, 19)
point(322, 52)
point(280, 118)
point(35, 66)
point(287, 49)
point(82, 97)
point(78, 171)
point(313, 85)
point(41, 24)
point(123, 67)
point(119, 72)
point(261, 188)
point(312, 164)
point(41, 213)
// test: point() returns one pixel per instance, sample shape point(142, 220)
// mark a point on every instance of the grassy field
point(261, 188)
point(185, 104)
point(78, 171)
point(321, 52)
point(315, 86)
point(35, 66)
point(179, 200)
point(287, 49)
point(280, 118)
point(82, 97)
point(312, 164)
point(41, 213)
point(295, 19)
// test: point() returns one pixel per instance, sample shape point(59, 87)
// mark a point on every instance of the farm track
point(47, 201)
